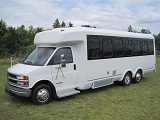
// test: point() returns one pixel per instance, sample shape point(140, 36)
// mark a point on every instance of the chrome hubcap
point(138, 77)
point(42, 95)
point(127, 80)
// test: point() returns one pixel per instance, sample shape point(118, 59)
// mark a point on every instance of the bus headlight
point(23, 80)
point(22, 77)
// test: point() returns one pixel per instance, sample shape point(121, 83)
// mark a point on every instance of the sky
point(104, 14)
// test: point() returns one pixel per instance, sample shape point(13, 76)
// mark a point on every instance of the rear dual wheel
point(127, 79)
point(138, 77)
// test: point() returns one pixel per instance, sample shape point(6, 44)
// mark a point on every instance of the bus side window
point(137, 48)
point(128, 47)
point(107, 48)
point(119, 48)
point(57, 56)
point(150, 48)
point(144, 48)
point(94, 51)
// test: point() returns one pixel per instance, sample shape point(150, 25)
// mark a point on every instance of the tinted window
point(103, 47)
point(137, 47)
point(150, 48)
point(119, 48)
point(144, 48)
point(93, 44)
point(107, 48)
point(128, 47)
point(57, 56)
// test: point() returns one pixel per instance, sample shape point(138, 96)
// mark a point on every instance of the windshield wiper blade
point(28, 63)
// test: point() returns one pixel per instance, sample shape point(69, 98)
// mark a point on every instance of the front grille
point(12, 81)
point(12, 75)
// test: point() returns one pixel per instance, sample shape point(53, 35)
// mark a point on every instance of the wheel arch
point(47, 82)
point(139, 69)
point(127, 71)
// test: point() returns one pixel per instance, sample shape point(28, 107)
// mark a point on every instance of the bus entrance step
point(67, 93)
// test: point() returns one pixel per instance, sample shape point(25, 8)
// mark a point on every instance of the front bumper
point(17, 91)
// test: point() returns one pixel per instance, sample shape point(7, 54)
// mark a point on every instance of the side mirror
point(63, 61)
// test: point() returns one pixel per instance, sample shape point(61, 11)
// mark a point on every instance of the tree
point(30, 48)
point(146, 31)
point(157, 40)
point(31, 34)
point(16, 40)
point(70, 24)
point(130, 28)
point(63, 24)
point(23, 39)
point(56, 24)
point(3, 30)
point(12, 43)
point(88, 26)
point(38, 29)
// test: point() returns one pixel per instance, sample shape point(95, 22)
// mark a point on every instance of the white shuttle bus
point(68, 60)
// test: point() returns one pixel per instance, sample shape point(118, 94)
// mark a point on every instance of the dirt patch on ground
point(7, 103)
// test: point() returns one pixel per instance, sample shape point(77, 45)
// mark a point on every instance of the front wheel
point(42, 94)
point(126, 80)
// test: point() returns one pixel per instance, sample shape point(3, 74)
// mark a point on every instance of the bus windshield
point(39, 56)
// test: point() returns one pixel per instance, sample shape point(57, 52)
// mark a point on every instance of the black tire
point(42, 94)
point(138, 77)
point(127, 79)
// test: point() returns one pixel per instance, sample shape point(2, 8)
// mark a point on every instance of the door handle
point(74, 66)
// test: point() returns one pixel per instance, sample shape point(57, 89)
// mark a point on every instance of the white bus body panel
point(34, 73)
point(88, 73)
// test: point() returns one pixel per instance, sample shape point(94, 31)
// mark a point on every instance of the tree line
point(147, 31)
point(57, 24)
point(20, 40)
point(16, 40)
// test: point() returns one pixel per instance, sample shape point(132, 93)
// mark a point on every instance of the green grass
point(135, 102)
point(7, 61)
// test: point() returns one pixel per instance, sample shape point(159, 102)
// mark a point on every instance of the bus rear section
point(114, 58)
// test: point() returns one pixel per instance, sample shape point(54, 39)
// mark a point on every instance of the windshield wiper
point(28, 63)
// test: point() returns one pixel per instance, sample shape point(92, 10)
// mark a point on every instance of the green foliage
point(16, 40)
point(30, 48)
point(12, 40)
point(63, 24)
point(56, 24)
point(145, 31)
point(3, 31)
point(70, 24)
point(20, 40)
point(157, 39)
point(88, 26)
point(130, 29)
